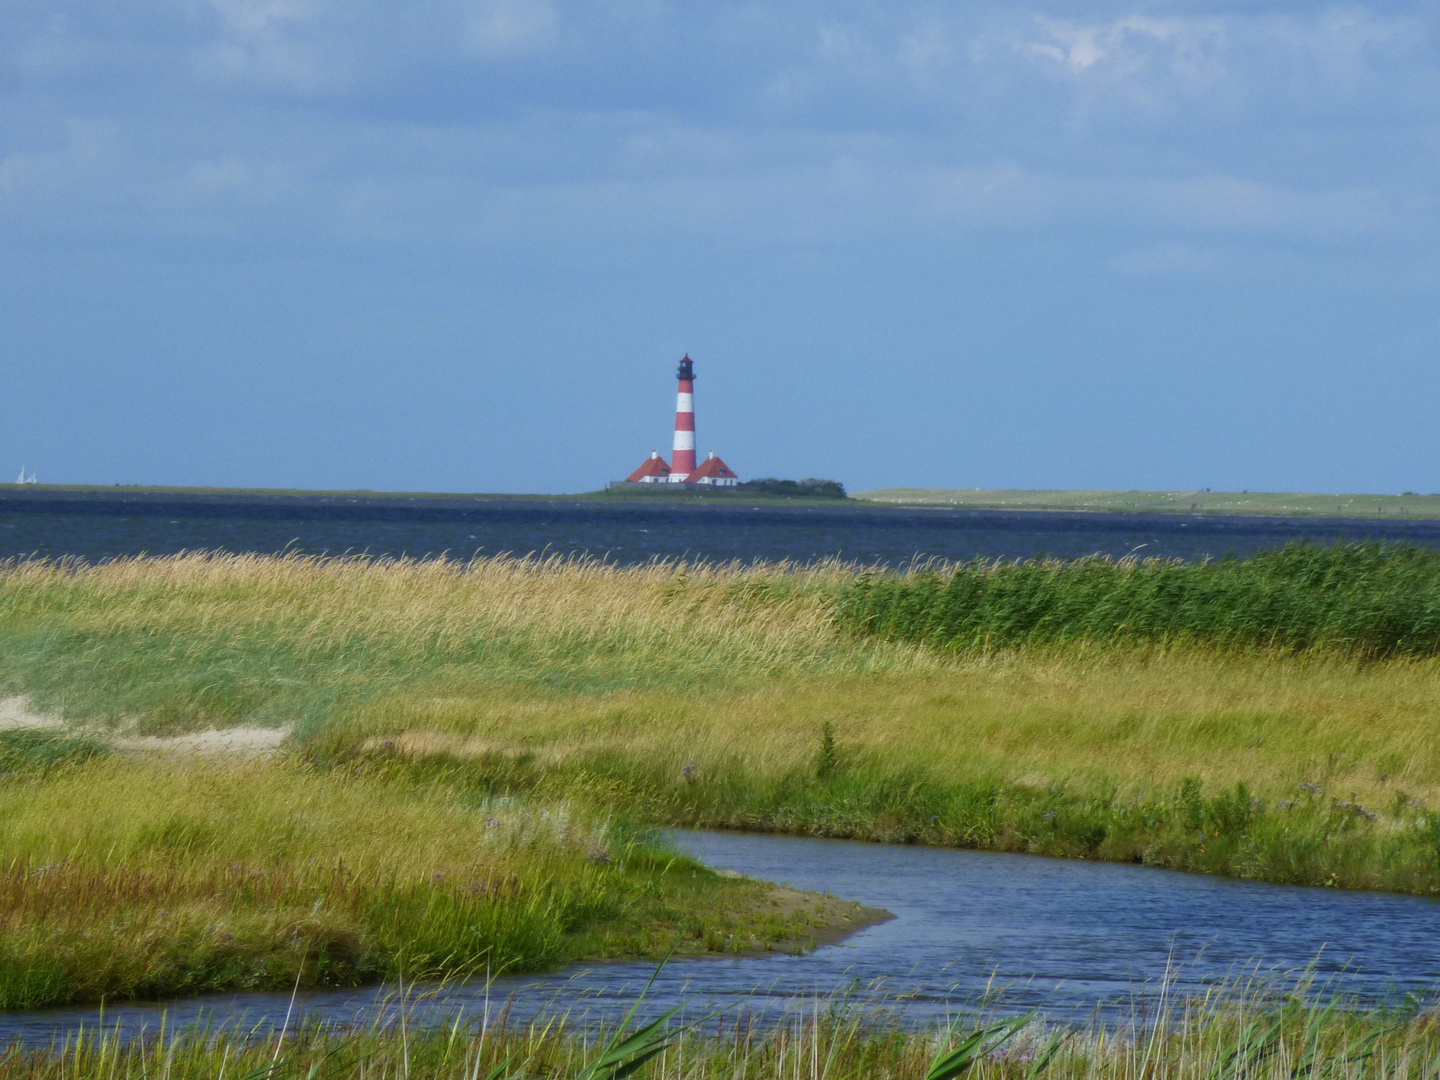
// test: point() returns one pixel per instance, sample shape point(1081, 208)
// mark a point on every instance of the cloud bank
point(448, 122)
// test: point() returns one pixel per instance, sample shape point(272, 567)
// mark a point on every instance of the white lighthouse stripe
point(684, 440)
point(684, 402)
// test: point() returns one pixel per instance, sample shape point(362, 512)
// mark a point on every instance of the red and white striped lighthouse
point(684, 462)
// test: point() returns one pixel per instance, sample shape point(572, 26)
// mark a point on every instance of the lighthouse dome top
point(687, 368)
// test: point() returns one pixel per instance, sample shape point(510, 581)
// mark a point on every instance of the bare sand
point(831, 919)
point(237, 742)
point(15, 712)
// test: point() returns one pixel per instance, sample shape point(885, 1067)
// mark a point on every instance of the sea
point(96, 525)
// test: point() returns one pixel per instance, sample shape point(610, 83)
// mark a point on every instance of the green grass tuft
point(26, 749)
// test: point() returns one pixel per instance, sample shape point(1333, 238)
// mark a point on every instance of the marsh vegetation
point(1240, 1031)
point(1272, 719)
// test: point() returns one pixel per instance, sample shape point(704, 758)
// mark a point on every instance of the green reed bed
point(1234, 1034)
point(1368, 599)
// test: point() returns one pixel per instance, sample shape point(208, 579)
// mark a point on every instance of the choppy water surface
point(629, 530)
point(1069, 937)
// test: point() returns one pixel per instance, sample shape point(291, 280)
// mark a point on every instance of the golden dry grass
point(651, 680)
point(1142, 720)
point(685, 663)
point(717, 614)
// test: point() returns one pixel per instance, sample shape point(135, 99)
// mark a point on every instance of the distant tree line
point(811, 486)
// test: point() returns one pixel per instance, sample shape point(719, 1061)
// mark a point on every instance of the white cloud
point(846, 121)
point(1263, 56)
point(289, 66)
point(1140, 60)
point(926, 46)
point(1243, 205)
point(259, 16)
point(1123, 42)
point(502, 28)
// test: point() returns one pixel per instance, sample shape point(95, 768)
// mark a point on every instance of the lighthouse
point(683, 463)
point(710, 475)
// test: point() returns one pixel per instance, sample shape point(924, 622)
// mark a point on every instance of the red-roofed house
point(654, 471)
point(714, 472)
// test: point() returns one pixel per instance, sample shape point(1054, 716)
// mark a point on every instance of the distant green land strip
point(1261, 503)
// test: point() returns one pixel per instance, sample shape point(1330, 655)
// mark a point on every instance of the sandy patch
point(15, 712)
point(236, 742)
point(1034, 782)
point(431, 743)
point(830, 919)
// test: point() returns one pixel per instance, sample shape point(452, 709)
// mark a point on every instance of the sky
point(459, 245)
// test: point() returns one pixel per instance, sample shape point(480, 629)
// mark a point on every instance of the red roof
point(654, 466)
point(711, 467)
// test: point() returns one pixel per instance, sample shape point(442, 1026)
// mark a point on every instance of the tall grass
point(1227, 1036)
point(1272, 718)
point(156, 878)
point(1365, 599)
point(211, 638)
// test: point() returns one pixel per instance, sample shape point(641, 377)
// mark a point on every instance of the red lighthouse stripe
point(683, 462)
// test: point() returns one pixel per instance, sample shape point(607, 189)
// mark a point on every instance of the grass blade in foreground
point(848, 1042)
point(980, 1042)
point(625, 1054)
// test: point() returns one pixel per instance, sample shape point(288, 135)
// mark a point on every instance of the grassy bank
point(1230, 1035)
point(1259, 503)
point(159, 877)
point(815, 700)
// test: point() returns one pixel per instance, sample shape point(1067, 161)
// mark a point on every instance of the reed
point(1226, 1036)
point(1362, 599)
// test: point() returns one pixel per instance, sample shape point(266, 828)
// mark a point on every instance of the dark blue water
point(1071, 938)
point(96, 526)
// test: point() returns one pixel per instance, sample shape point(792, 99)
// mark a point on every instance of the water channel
point(1074, 939)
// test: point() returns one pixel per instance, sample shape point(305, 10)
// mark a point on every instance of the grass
point(1136, 712)
point(154, 877)
point(200, 640)
point(1238, 1032)
point(1355, 599)
point(1262, 503)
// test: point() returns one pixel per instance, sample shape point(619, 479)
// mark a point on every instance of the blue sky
point(459, 244)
